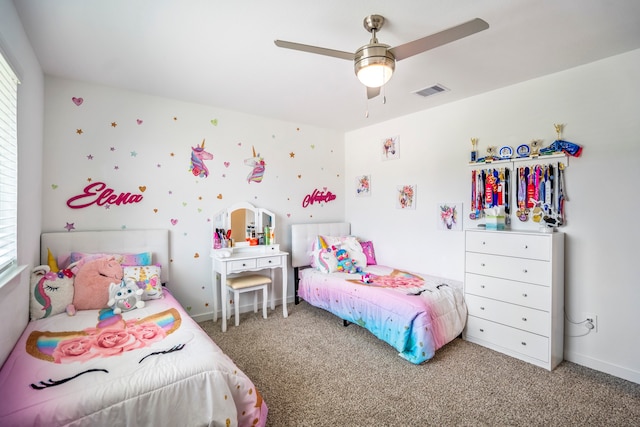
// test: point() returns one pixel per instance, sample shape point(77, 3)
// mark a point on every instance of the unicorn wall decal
point(258, 165)
point(198, 155)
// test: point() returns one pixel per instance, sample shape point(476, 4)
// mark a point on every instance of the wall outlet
point(591, 320)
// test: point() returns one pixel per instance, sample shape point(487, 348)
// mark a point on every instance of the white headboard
point(302, 236)
point(115, 241)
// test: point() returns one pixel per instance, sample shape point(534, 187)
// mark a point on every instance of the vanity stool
point(248, 283)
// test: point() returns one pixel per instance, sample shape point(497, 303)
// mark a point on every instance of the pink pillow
point(92, 283)
point(367, 248)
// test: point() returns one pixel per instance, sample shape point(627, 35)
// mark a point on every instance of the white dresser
point(514, 290)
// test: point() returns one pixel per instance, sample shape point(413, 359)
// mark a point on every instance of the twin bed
point(151, 366)
point(415, 313)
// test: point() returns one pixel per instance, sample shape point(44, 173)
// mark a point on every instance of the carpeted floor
point(312, 371)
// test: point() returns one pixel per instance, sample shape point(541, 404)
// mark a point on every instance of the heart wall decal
point(77, 101)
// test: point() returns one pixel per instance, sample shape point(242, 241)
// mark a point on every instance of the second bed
point(415, 313)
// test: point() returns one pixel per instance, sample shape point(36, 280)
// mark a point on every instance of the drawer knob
point(482, 264)
point(269, 261)
point(526, 246)
point(524, 270)
point(482, 286)
point(524, 319)
point(525, 295)
point(481, 308)
point(483, 243)
point(481, 330)
point(244, 265)
point(523, 343)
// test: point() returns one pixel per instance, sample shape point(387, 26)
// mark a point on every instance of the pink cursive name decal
point(318, 196)
point(98, 193)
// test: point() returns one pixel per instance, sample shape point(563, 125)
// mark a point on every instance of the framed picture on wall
point(363, 185)
point(406, 196)
point(390, 148)
point(449, 216)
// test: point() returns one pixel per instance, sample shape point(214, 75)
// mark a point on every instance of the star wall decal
point(134, 154)
point(292, 154)
point(70, 226)
point(90, 157)
point(79, 131)
point(114, 124)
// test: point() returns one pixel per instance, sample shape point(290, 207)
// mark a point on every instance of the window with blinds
point(8, 166)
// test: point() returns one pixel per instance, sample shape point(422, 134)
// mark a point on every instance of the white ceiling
point(221, 53)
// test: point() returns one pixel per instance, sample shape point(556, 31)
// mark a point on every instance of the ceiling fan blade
point(372, 92)
point(438, 39)
point(315, 49)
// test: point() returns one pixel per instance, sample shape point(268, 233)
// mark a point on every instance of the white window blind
point(8, 166)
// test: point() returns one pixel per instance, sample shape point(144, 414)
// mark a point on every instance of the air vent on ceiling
point(432, 90)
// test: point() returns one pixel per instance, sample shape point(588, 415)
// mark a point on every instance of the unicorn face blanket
point(101, 368)
point(414, 313)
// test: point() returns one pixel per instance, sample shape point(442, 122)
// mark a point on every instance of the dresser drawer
point(520, 245)
point(524, 318)
point(525, 294)
point(272, 261)
point(519, 269)
point(241, 265)
point(516, 340)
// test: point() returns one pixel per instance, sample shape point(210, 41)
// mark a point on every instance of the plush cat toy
point(345, 263)
point(125, 296)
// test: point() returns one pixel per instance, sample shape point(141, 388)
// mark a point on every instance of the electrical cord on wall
point(587, 324)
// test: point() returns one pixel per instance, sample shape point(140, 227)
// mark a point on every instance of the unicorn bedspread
point(148, 366)
point(415, 313)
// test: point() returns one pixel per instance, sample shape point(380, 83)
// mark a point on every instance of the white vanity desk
point(255, 259)
point(229, 262)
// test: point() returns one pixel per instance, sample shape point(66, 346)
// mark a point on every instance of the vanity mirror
point(245, 222)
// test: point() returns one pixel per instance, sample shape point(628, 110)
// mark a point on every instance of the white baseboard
point(201, 317)
point(606, 367)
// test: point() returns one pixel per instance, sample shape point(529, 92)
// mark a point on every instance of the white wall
point(155, 154)
point(15, 46)
point(600, 106)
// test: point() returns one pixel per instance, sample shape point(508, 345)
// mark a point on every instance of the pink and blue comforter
point(415, 313)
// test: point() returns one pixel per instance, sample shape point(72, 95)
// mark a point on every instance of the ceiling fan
point(375, 62)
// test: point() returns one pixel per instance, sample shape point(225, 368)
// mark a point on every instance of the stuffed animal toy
point(345, 263)
point(92, 283)
point(125, 296)
point(51, 292)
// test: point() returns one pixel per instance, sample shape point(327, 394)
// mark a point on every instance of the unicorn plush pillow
point(51, 290)
point(147, 277)
point(348, 243)
point(92, 283)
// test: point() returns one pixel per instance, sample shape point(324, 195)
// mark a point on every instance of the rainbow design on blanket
point(112, 336)
point(397, 279)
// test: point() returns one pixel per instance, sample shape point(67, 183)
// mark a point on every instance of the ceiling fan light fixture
point(374, 65)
